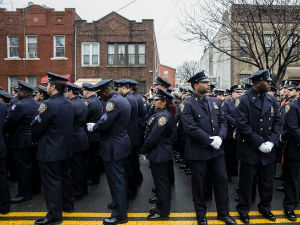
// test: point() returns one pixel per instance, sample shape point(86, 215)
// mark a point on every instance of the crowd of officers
point(60, 138)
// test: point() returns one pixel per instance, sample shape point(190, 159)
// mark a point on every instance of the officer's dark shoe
point(152, 210)
point(280, 177)
point(280, 188)
point(20, 199)
point(90, 182)
point(45, 221)
point(236, 199)
point(156, 216)
point(229, 179)
point(68, 210)
point(111, 206)
point(3, 212)
point(202, 221)
point(79, 196)
point(153, 199)
point(268, 215)
point(227, 219)
point(114, 220)
point(290, 215)
point(245, 218)
point(37, 192)
point(153, 190)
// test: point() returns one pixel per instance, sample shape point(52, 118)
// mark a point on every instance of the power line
point(126, 5)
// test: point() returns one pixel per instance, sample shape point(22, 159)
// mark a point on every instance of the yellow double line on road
point(15, 215)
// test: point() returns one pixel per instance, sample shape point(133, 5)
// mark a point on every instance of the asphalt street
point(93, 208)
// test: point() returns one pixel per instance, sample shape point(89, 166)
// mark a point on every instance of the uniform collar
point(57, 95)
point(197, 97)
point(93, 95)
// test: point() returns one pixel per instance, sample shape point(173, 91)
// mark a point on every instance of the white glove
point(90, 126)
point(270, 145)
point(264, 148)
point(217, 141)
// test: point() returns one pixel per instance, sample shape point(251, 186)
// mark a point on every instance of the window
point(31, 79)
point(141, 87)
point(121, 54)
point(131, 54)
point(244, 50)
point(166, 73)
point(12, 46)
point(142, 54)
point(110, 54)
point(90, 54)
point(12, 82)
point(244, 79)
point(268, 40)
point(31, 46)
point(293, 43)
point(59, 46)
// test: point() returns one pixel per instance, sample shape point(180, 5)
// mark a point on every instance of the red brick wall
point(171, 74)
point(44, 23)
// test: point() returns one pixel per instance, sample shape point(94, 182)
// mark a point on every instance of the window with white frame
point(166, 73)
point(110, 54)
point(244, 50)
point(244, 79)
point(268, 41)
point(121, 54)
point(142, 54)
point(31, 46)
point(31, 80)
point(59, 46)
point(90, 53)
point(131, 54)
point(12, 46)
point(12, 82)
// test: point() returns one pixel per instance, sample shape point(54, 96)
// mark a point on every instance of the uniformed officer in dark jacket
point(4, 189)
point(115, 146)
point(159, 137)
point(52, 127)
point(18, 125)
point(292, 160)
point(80, 142)
point(41, 94)
point(122, 86)
point(258, 129)
point(95, 110)
point(5, 97)
point(205, 128)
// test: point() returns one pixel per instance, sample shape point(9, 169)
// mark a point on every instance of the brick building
point(35, 39)
point(168, 73)
point(114, 47)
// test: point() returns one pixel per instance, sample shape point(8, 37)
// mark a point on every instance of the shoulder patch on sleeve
point(110, 106)
point(13, 107)
point(181, 107)
point(287, 108)
point(162, 120)
point(43, 107)
point(86, 103)
point(237, 103)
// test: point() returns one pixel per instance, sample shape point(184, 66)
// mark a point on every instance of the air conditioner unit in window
point(32, 54)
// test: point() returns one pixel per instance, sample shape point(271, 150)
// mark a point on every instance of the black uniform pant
point(230, 157)
point(79, 174)
point(217, 170)
point(292, 184)
point(4, 189)
point(131, 175)
point(160, 173)
point(36, 177)
point(136, 165)
point(23, 162)
point(115, 175)
point(94, 163)
point(248, 175)
point(57, 187)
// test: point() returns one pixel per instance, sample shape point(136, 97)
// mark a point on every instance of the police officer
point(205, 127)
point(80, 141)
point(5, 97)
point(52, 127)
point(41, 94)
point(159, 137)
point(4, 189)
point(258, 129)
point(95, 110)
point(115, 146)
point(292, 160)
point(18, 125)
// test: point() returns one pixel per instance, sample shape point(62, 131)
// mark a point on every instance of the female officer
point(158, 142)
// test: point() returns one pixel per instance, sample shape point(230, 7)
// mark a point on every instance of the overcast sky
point(166, 14)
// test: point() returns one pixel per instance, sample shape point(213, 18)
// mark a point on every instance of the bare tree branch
point(187, 69)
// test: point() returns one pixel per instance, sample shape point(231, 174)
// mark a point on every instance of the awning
point(44, 80)
point(79, 82)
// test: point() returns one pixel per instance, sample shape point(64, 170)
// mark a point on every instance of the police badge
point(162, 120)
point(287, 108)
point(43, 107)
point(181, 107)
point(215, 105)
point(237, 102)
point(272, 111)
point(109, 106)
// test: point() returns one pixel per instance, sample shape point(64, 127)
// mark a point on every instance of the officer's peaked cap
point(162, 82)
point(161, 94)
point(72, 86)
point(88, 86)
point(260, 75)
point(5, 94)
point(198, 77)
point(236, 87)
point(25, 86)
point(219, 92)
point(103, 84)
point(53, 77)
point(42, 89)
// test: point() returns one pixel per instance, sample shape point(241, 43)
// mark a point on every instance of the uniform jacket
point(292, 122)
point(53, 127)
point(115, 142)
point(133, 126)
point(95, 110)
point(229, 110)
point(3, 112)
point(18, 123)
point(141, 115)
point(257, 123)
point(159, 137)
point(200, 123)
point(80, 140)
